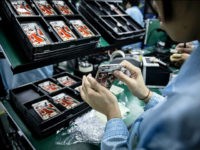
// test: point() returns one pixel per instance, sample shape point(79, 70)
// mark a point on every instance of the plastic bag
point(89, 128)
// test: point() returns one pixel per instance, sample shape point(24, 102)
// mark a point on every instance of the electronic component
point(45, 109)
point(35, 34)
point(65, 100)
point(45, 8)
point(22, 8)
point(66, 81)
point(49, 86)
point(63, 30)
point(62, 7)
point(105, 74)
point(81, 28)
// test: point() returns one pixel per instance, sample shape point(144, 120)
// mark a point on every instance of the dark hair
point(132, 2)
point(167, 9)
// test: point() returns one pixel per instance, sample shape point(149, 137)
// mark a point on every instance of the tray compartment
point(45, 8)
point(26, 93)
point(125, 24)
point(110, 9)
point(48, 85)
point(80, 104)
point(64, 7)
point(75, 78)
point(70, 20)
point(10, 8)
point(96, 7)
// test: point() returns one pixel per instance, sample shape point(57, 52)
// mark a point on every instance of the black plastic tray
point(56, 48)
point(114, 26)
point(23, 97)
point(10, 11)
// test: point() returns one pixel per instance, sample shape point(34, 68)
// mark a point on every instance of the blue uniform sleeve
point(155, 99)
point(116, 135)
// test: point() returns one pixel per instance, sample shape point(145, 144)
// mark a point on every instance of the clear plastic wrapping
point(88, 128)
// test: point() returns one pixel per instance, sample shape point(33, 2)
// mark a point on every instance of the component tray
point(115, 25)
point(56, 46)
point(23, 97)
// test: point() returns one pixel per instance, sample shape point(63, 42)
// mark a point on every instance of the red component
point(46, 9)
point(35, 38)
point(84, 30)
point(64, 32)
point(65, 10)
point(26, 9)
point(68, 82)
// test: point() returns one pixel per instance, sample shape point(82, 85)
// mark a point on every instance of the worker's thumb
point(122, 77)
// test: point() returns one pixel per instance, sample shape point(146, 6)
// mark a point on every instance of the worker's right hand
point(99, 98)
point(181, 49)
point(135, 82)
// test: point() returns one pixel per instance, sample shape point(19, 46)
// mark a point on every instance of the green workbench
point(135, 106)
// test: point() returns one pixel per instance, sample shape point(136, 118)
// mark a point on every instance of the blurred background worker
point(132, 9)
point(182, 52)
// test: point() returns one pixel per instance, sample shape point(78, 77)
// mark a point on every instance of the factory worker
point(133, 10)
point(171, 122)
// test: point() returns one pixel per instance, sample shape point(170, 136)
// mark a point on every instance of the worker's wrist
point(147, 96)
point(114, 113)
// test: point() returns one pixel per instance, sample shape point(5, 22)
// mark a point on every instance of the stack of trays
point(49, 28)
point(115, 25)
point(49, 104)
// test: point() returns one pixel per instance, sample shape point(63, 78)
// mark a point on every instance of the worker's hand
point(181, 49)
point(135, 82)
point(179, 59)
point(99, 98)
point(182, 53)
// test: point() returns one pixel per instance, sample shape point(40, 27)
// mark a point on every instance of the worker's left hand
point(179, 59)
point(99, 98)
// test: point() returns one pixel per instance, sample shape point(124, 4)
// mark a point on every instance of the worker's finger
point(185, 56)
point(90, 91)
point(130, 67)
point(122, 77)
point(176, 55)
point(83, 96)
point(182, 45)
point(184, 50)
point(86, 84)
point(94, 84)
point(83, 84)
point(83, 80)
